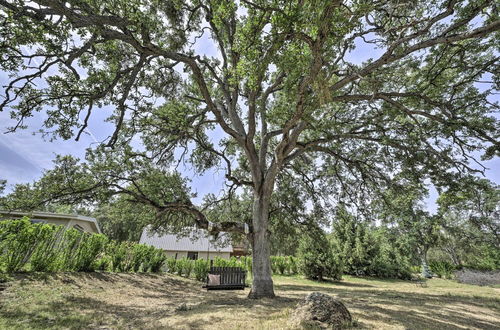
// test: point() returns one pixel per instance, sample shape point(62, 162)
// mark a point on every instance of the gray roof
point(49, 215)
point(197, 240)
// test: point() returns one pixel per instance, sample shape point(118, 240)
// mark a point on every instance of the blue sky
point(24, 155)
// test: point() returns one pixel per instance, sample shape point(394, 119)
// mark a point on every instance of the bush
point(245, 262)
point(292, 265)
point(139, 256)
point(179, 266)
point(171, 265)
point(156, 260)
point(389, 262)
point(44, 247)
point(367, 251)
point(279, 264)
point(187, 268)
point(316, 260)
point(118, 254)
point(19, 240)
point(103, 264)
point(201, 267)
point(89, 249)
point(69, 250)
point(44, 258)
point(442, 269)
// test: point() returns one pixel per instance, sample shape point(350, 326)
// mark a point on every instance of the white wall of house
point(196, 241)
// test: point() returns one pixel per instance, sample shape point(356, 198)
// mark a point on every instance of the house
point(197, 245)
point(79, 222)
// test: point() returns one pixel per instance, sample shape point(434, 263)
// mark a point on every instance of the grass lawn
point(145, 301)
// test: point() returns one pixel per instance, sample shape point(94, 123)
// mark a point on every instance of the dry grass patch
point(150, 301)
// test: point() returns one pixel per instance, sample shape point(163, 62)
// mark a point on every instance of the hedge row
point(198, 269)
point(47, 248)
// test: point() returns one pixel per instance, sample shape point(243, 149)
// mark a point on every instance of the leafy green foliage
point(122, 220)
point(201, 268)
point(171, 265)
point(45, 257)
point(18, 241)
point(365, 250)
point(470, 237)
point(279, 264)
point(42, 247)
point(353, 242)
point(316, 258)
point(91, 245)
point(442, 269)
point(391, 261)
point(282, 88)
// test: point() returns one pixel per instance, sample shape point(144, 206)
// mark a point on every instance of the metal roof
point(197, 240)
point(49, 215)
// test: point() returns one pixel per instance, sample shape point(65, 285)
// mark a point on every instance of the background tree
point(281, 89)
point(353, 242)
point(123, 219)
point(470, 211)
point(316, 258)
point(402, 209)
point(366, 248)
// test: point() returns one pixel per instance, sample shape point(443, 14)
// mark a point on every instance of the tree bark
point(262, 284)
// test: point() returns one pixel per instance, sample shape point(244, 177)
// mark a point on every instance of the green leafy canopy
point(280, 103)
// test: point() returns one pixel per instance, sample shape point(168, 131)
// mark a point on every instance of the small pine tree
point(316, 260)
point(354, 243)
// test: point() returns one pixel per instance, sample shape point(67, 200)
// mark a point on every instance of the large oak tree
point(283, 90)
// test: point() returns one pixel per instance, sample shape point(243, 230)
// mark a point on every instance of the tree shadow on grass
point(409, 309)
point(152, 301)
point(146, 281)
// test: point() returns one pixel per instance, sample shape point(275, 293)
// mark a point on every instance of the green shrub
point(247, 263)
point(67, 260)
point(316, 260)
point(187, 268)
point(274, 267)
point(139, 256)
point(44, 258)
point(415, 269)
point(171, 265)
point(50, 248)
point(292, 265)
point(91, 245)
point(389, 263)
point(442, 269)
point(179, 266)
point(220, 262)
point(279, 264)
point(103, 263)
point(19, 239)
point(46, 247)
point(155, 260)
point(118, 253)
point(201, 267)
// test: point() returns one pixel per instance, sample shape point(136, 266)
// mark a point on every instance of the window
point(79, 228)
point(192, 255)
point(38, 221)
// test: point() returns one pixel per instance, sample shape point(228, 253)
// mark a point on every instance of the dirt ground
point(148, 301)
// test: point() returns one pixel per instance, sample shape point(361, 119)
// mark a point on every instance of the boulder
point(321, 310)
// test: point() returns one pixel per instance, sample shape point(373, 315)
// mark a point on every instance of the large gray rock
point(321, 310)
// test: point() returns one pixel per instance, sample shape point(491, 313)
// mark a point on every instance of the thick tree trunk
point(262, 285)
